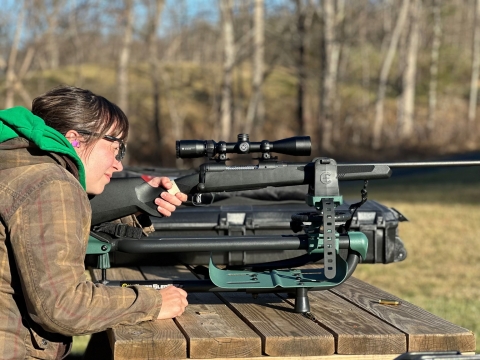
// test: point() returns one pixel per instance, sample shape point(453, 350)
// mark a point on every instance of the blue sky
point(206, 10)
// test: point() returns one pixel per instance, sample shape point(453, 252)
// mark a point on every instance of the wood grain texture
point(349, 324)
point(321, 357)
point(159, 339)
point(148, 340)
point(356, 331)
point(283, 332)
point(211, 328)
point(424, 331)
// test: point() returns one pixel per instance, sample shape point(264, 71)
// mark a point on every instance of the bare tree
point(52, 40)
point(253, 34)
point(301, 14)
point(74, 34)
point(177, 113)
point(331, 19)
point(226, 106)
point(472, 105)
point(365, 53)
point(387, 63)
point(124, 59)
point(10, 77)
point(432, 88)
point(155, 9)
point(127, 20)
point(405, 121)
point(256, 110)
point(244, 21)
point(359, 120)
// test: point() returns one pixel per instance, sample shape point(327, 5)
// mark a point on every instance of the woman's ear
point(73, 137)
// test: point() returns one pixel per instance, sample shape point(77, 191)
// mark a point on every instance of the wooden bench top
point(348, 322)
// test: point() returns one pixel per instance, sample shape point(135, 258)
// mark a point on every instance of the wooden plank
point(211, 328)
point(148, 340)
point(160, 339)
point(356, 331)
point(425, 331)
point(349, 321)
point(283, 332)
point(322, 357)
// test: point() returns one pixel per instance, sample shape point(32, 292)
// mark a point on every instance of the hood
point(19, 121)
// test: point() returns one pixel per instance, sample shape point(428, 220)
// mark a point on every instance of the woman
point(51, 159)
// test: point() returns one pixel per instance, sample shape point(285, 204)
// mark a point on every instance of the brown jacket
point(45, 297)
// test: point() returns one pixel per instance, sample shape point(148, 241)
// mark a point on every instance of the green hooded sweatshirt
point(19, 121)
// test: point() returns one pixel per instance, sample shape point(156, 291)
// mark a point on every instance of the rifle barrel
point(420, 164)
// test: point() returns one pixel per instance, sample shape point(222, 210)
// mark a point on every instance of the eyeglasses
point(122, 148)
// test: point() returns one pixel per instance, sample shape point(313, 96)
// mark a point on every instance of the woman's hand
point(174, 302)
point(167, 203)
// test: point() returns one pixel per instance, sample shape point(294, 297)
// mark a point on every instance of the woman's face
point(99, 161)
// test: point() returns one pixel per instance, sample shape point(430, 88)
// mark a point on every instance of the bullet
point(388, 302)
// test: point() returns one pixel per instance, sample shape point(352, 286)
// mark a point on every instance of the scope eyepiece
point(297, 146)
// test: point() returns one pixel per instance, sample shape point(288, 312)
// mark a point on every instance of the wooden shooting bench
point(347, 323)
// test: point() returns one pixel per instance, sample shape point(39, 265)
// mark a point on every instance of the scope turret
point(297, 146)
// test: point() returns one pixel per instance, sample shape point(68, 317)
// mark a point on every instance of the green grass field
point(442, 237)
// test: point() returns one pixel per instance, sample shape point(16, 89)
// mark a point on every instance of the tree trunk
point(300, 65)
point(122, 70)
point(432, 88)
point(52, 40)
point(122, 75)
point(359, 120)
point(12, 59)
point(365, 55)
point(472, 106)
point(405, 121)
point(387, 63)
point(18, 85)
point(226, 106)
point(15, 81)
point(153, 26)
point(256, 110)
point(177, 115)
point(79, 51)
point(331, 19)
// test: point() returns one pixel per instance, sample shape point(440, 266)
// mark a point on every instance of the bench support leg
point(302, 305)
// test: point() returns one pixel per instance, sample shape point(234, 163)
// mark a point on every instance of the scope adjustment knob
point(244, 147)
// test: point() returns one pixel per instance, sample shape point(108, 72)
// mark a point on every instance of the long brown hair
point(71, 108)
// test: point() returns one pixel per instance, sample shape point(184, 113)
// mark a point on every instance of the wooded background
point(391, 79)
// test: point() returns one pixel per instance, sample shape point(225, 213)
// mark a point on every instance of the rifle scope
point(297, 145)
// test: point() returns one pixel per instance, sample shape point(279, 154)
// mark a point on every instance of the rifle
point(326, 228)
